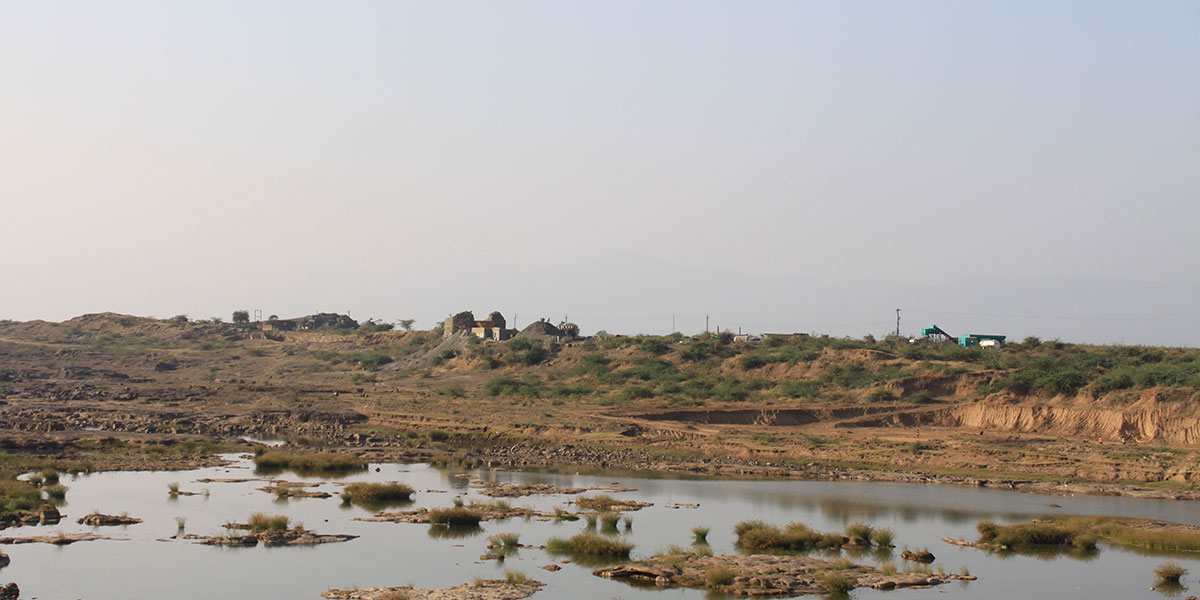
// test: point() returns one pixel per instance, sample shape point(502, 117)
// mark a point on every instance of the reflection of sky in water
point(398, 554)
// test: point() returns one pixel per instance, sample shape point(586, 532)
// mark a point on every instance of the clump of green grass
point(361, 492)
point(562, 515)
point(888, 569)
point(883, 537)
point(608, 522)
point(838, 583)
point(700, 534)
point(1034, 533)
point(457, 516)
point(601, 503)
point(1169, 572)
point(859, 533)
point(719, 576)
point(515, 577)
point(181, 523)
point(18, 495)
point(761, 537)
point(264, 522)
point(590, 544)
point(320, 462)
point(504, 540)
point(50, 476)
point(56, 491)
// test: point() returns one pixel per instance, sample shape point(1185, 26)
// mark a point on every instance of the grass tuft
point(457, 516)
point(590, 544)
point(1170, 572)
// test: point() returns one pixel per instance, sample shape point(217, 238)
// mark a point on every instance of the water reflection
point(453, 532)
point(1170, 589)
point(396, 554)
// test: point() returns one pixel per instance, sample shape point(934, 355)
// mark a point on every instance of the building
point(493, 328)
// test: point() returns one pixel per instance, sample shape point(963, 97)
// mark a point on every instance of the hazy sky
point(994, 167)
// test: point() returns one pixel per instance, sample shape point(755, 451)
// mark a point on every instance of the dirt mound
point(455, 343)
point(541, 330)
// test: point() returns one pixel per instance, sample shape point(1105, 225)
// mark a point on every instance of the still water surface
point(399, 554)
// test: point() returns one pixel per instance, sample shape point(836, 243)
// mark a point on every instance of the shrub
point(799, 389)
point(457, 516)
point(655, 346)
point(700, 534)
point(880, 395)
point(1169, 571)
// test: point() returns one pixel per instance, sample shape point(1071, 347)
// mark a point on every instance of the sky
point(1018, 168)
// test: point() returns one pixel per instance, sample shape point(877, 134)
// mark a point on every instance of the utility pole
point(897, 322)
point(705, 323)
point(673, 323)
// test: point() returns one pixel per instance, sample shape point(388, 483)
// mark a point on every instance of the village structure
point(493, 328)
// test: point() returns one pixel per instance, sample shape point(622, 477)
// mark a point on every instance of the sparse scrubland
point(1033, 413)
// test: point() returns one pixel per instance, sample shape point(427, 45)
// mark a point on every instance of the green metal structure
point(966, 341)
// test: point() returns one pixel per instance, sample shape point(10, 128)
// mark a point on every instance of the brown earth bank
point(113, 391)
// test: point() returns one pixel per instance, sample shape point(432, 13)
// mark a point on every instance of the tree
point(241, 317)
point(407, 324)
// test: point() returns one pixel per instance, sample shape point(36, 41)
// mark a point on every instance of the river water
point(144, 566)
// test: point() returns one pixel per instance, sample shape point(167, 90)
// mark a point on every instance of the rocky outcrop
point(290, 537)
point(488, 589)
point(98, 520)
point(764, 575)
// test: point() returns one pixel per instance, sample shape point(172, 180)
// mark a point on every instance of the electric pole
point(705, 323)
point(897, 322)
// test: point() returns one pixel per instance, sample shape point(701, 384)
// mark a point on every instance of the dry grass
point(457, 516)
point(719, 576)
point(1169, 571)
point(263, 522)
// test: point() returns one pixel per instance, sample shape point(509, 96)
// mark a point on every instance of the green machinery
point(966, 341)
